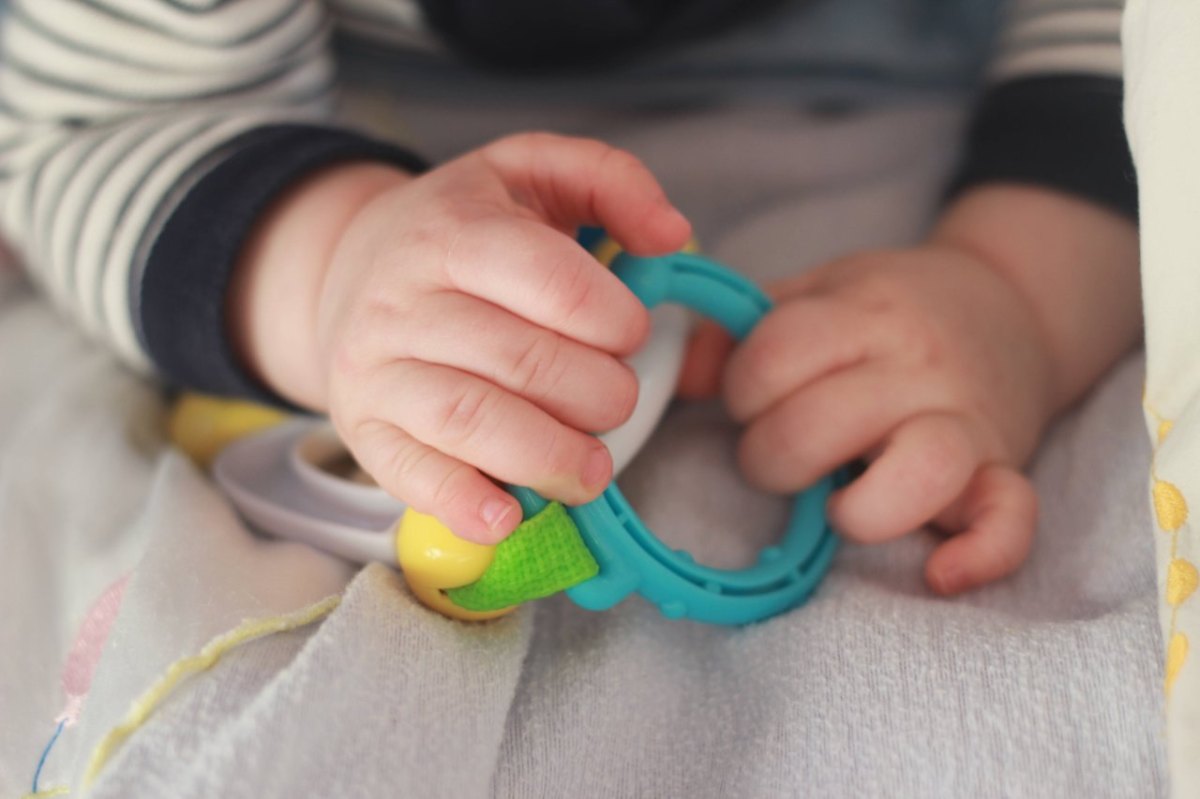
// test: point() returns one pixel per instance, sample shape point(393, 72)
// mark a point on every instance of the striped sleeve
point(113, 113)
point(1051, 114)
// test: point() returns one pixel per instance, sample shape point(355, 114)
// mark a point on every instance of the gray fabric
point(1045, 685)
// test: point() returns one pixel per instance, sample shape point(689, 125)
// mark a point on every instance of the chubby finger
point(795, 344)
point(924, 466)
point(708, 350)
point(998, 516)
point(578, 385)
point(575, 181)
point(826, 424)
point(481, 424)
point(545, 277)
point(472, 506)
point(809, 281)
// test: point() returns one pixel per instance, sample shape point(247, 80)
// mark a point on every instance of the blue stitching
point(46, 753)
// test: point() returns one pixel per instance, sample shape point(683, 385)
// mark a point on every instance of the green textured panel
point(543, 556)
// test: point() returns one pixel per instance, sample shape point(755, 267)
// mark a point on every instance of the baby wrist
point(273, 295)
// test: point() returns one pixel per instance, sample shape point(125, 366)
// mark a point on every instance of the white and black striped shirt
point(139, 140)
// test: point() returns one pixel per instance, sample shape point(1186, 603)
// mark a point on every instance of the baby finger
point(925, 465)
point(472, 506)
point(829, 423)
point(482, 424)
point(999, 513)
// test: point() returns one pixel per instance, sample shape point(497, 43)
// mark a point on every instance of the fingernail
point(494, 511)
point(595, 470)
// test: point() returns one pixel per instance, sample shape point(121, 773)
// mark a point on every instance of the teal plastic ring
point(631, 558)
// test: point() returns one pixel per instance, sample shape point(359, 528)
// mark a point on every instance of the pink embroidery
point(85, 652)
point(81, 663)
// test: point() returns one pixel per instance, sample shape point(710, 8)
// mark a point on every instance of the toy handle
point(630, 556)
point(729, 299)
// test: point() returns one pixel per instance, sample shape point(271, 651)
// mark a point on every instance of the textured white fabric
point(1162, 116)
point(1046, 685)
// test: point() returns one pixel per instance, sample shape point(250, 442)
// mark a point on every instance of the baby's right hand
point(461, 332)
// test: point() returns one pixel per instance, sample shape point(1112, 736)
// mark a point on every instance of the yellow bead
point(1182, 579)
point(1169, 506)
point(202, 426)
point(1177, 651)
point(434, 559)
point(607, 250)
point(1164, 428)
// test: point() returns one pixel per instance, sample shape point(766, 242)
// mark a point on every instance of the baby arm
point(450, 324)
point(116, 117)
point(447, 322)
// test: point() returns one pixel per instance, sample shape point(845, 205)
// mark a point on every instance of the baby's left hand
point(926, 363)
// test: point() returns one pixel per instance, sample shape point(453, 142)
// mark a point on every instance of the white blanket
point(1162, 119)
point(1048, 684)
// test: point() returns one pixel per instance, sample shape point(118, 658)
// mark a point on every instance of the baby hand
point(924, 362)
point(460, 333)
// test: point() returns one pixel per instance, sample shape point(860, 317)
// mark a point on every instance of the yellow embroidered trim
point(1171, 512)
point(144, 705)
point(45, 793)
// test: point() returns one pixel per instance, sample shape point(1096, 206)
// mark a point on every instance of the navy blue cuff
point(1061, 132)
point(180, 298)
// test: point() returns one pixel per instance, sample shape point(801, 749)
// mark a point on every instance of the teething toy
point(629, 557)
point(598, 553)
point(436, 560)
point(202, 426)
